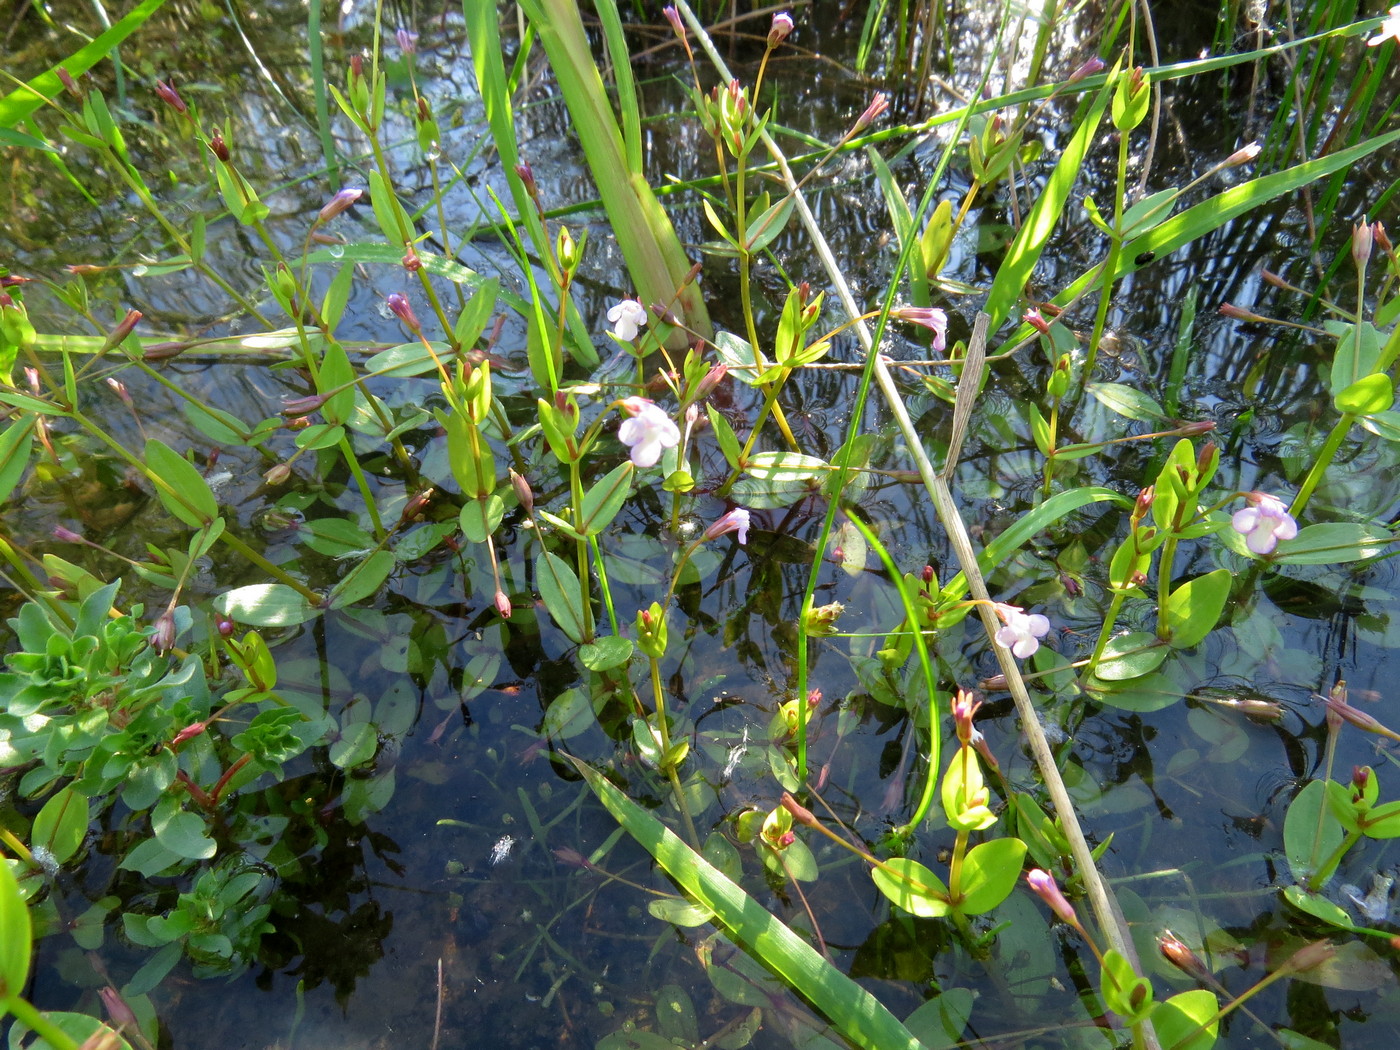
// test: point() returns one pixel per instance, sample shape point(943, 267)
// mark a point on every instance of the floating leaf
point(62, 824)
point(990, 872)
point(603, 654)
point(180, 486)
point(1180, 1022)
point(1130, 656)
point(266, 605)
point(1194, 608)
point(912, 887)
point(562, 596)
point(1127, 401)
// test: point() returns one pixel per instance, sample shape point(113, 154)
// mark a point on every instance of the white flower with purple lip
point(1263, 523)
point(737, 520)
point(627, 318)
point(647, 432)
point(1021, 633)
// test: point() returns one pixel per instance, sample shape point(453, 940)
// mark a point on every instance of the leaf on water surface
point(859, 1015)
point(266, 605)
point(1127, 401)
point(1178, 1021)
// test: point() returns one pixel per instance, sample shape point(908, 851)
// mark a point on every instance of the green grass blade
point(626, 86)
point(21, 102)
point(1025, 251)
point(655, 257)
point(316, 54)
point(858, 1014)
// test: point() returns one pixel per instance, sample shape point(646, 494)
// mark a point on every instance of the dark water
point(381, 924)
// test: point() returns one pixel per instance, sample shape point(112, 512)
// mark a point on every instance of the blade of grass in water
point(861, 1017)
point(316, 54)
point(23, 101)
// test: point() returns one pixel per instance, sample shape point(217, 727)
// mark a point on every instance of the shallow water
point(381, 924)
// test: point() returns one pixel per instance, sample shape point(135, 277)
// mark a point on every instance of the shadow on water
point(463, 894)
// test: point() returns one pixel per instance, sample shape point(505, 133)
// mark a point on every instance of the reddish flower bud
point(84, 268)
point(170, 97)
point(1239, 313)
point(1272, 278)
point(278, 474)
point(294, 407)
point(503, 605)
point(1362, 237)
point(410, 260)
point(66, 535)
point(572, 857)
point(1382, 239)
point(224, 626)
point(117, 1008)
point(123, 329)
point(119, 388)
point(1183, 958)
point(407, 41)
point(878, 104)
point(337, 204)
point(1036, 320)
point(217, 146)
point(1243, 155)
point(414, 508)
point(673, 16)
point(523, 492)
point(1088, 69)
point(398, 305)
point(188, 733)
point(800, 813)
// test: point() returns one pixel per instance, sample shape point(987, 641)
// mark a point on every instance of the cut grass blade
point(861, 1017)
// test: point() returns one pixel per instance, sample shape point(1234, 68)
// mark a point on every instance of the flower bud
point(83, 269)
point(217, 146)
point(503, 605)
point(188, 733)
point(66, 535)
point(163, 640)
point(117, 1008)
point(399, 306)
point(878, 104)
point(779, 30)
point(1382, 238)
point(1088, 69)
point(965, 706)
point(278, 474)
point(651, 631)
point(224, 625)
point(295, 407)
point(1182, 957)
point(1239, 313)
point(1043, 885)
point(800, 813)
point(710, 380)
point(69, 84)
point(170, 97)
point(1036, 320)
point(413, 509)
point(410, 260)
point(119, 388)
point(407, 41)
point(123, 329)
point(1243, 155)
point(572, 857)
point(1309, 956)
point(820, 622)
point(1362, 238)
point(523, 492)
point(337, 204)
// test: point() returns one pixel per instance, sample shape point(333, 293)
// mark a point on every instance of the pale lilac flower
point(648, 431)
point(407, 41)
point(339, 203)
point(1389, 29)
point(627, 317)
point(930, 317)
point(737, 520)
point(1022, 633)
point(1263, 523)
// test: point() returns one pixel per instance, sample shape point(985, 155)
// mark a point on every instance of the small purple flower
point(1022, 633)
point(407, 41)
point(1263, 523)
point(648, 431)
point(170, 97)
point(930, 317)
point(627, 317)
point(737, 520)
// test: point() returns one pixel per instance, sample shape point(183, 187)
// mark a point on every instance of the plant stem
point(27, 1015)
point(581, 551)
point(1105, 632)
point(663, 729)
point(1320, 465)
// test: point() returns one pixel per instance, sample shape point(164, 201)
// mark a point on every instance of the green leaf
point(266, 605)
point(786, 467)
point(569, 714)
point(480, 518)
point(1150, 693)
point(1179, 1021)
point(1332, 543)
point(603, 654)
point(182, 833)
point(355, 746)
point(1318, 906)
point(724, 437)
point(1045, 514)
point(1025, 251)
point(408, 359)
point(363, 580)
point(562, 596)
point(1131, 656)
point(1373, 393)
point(1127, 401)
point(15, 446)
point(858, 1014)
point(682, 913)
point(1124, 992)
point(336, 374)
point(23, 101)
point(940, 1023)
point(912, 887)
point(1306, 838)
point(765, 226)
point(1357, 354)
point(62, 824)
point(16, 934)
point(1194, 608)
point(604, 499)
point(150, 858)
point(80, 1028)
point(990, 872)
point(180, 485)
point(745, 363)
